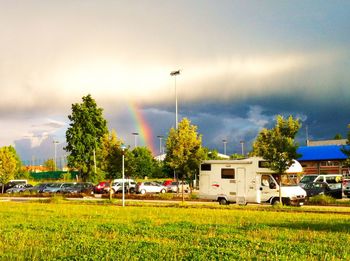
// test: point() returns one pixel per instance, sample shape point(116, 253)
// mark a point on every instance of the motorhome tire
point(275, 201)
point(223, 201)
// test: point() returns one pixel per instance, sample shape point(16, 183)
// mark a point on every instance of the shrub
point(322, 200)
point(166, 196)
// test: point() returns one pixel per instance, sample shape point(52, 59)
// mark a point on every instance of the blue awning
point(329, 152)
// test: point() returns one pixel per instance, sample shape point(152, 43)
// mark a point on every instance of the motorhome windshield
point(308, 179)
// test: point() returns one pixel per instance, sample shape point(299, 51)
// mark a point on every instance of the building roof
point(330, 152)
point(326, 142)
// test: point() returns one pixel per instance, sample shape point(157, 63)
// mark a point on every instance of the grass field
point(67, 231)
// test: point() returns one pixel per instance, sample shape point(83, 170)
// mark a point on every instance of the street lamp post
point(55, 142)
point(160, 143)
point(135, 140)
point(242, 146)
point(224, 142)
point(123, 147)
point(174, 73)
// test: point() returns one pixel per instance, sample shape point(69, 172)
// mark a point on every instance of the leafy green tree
point(8, 165)
point(20, 172)
point(278, 146)
point(110, 155)
point(83, 136)
point(184, 150)
point(236, 156)
point(144, 163)
point(50, 164)
point(347, 151)
point(337, 136)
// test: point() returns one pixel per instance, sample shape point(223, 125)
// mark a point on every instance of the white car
point(177, 187)
point(150, 187)
point(129, 185)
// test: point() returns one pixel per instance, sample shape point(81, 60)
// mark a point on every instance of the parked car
point(167, 182)
point(13, 183)
point(81, 187)
point(333, 180)
point(38, 188)
point(177, 187)
point(150, 187)
point(19, 188)
point(101, 187)
point(322, 188)
point(57, 187)
point(117, 185)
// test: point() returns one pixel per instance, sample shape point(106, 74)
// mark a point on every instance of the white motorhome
point(246, 181)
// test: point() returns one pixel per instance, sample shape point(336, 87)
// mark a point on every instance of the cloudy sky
point(242, 63)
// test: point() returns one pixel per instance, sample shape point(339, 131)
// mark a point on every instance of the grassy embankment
point(43, 231)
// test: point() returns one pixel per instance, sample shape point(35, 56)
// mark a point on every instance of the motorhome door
point(241, 186)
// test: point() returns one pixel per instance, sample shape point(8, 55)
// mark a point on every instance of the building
point(324, 157)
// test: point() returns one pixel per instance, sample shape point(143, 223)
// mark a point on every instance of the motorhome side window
point(264, 164)
point(228, 173)
point(206, 167)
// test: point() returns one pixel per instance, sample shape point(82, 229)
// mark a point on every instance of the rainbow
point(142, 126)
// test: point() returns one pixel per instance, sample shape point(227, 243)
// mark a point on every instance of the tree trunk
point(182, 186)
point(280, 190)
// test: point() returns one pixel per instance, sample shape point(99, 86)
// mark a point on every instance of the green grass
point(66, 231)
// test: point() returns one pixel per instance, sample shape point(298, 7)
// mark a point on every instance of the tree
point(184, 150)
point(50, 164)
point(277, 145)
point(143, 162)
point(83, 137)
point(110, 155)
point(19, 171)
point(337, 136)
point(8, 165)
point(235, 156)
point(346, 151)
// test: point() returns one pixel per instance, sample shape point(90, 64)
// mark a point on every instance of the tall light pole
point(174, 73)
point(242, 146)
point(135, 140)
point(224, 142)
point(160, 143)
point(123, 147)
point(55, 142)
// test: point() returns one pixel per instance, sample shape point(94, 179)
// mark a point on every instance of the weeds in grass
point(322, 200)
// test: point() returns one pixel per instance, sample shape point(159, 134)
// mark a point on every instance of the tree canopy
point(8, 165)
point(347, 151)
point(83, 136)
point(143, 162)
point(277, 145)
point(110, 155)
point(184, 149)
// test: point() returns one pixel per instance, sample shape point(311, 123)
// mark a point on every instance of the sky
point(242, 63)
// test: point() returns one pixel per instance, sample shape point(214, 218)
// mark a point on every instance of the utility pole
point(175, 73)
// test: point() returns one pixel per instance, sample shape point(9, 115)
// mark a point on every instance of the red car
point(101, 187)
point(167, 182)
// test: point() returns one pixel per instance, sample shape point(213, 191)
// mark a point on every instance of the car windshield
point(308, 179)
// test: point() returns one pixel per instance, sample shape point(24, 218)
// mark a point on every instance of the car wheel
point(142, 191)
point(223, 201)
point(162, 191)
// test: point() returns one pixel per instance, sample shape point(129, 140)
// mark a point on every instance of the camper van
point(247, 181)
